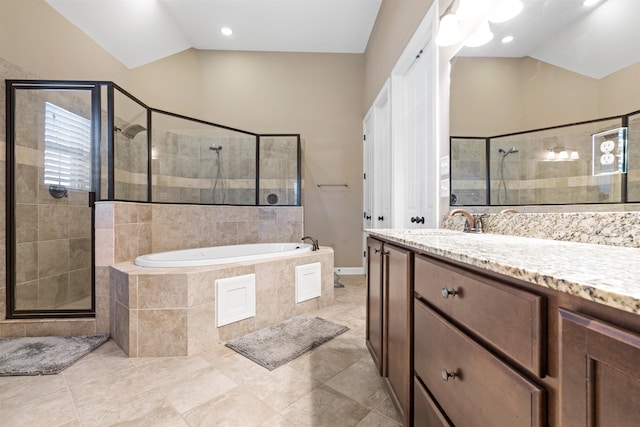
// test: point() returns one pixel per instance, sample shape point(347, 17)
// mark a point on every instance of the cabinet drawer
point(425, 411)
point(509, 319)
point(483, 391)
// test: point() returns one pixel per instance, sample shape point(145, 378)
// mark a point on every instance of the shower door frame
point(12, 86)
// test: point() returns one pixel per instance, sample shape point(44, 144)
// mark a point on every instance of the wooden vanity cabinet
point(389, 314)
point(473, 338)
point(599, 373)
point(374, 302)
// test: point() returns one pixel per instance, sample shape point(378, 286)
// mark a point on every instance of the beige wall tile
point(79, 253)
point(122, 327)
point(53, 222)
point(26, 223)
point(53, 291)
point(201, 288)
point(201, 328)
point(53, 257)
point(26, 262)
point(47, 328)
point(162, 291)
point(104, 245)
point(162, 333)
point(125, 213)
point(126, 242)
point(104, 215)
point(82, 327)
point(27, 295)
point(13, 329)
point(26, 183)
point(79, 221)
point(103, 314)
point(145, 212)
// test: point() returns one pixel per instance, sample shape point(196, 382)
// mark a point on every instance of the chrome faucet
point(473, 224)
point(314, 242)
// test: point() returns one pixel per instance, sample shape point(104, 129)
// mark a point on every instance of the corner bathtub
point(217, 255)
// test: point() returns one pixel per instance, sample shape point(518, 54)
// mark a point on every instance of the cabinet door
point(599, 373)
point(374, 302)
point(397, 325)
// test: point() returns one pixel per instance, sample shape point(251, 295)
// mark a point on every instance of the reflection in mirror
point(468, 172)
point(194, 162)
point(565, 65)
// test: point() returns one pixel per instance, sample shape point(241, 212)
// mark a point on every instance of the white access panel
point(235, 299)
point(308, 282)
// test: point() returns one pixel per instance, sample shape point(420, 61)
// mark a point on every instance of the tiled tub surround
point(172, 311)
point(603, 228)
point(604, 274)
point(126, 230)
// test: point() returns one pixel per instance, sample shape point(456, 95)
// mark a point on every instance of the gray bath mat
point(336, 281)
point(276, 345)
point(44, 355)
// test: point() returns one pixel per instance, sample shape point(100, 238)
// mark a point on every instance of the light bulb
point(226, 31)
point(574, 155)
point(551, 155)
point(483, 35)
point(563, 155)
point(449, 32)
point(505, 10)
point(507, 39)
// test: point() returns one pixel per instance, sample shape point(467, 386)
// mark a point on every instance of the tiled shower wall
point(185, 169)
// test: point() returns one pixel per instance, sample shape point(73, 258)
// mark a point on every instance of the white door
point(414, 123)
point(382, 160)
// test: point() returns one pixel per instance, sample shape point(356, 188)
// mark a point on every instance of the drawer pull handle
point(448, 292)
point(446, 375)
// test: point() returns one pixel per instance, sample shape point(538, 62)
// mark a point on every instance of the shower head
point(216, 148)
point(506, 153)
point(132, 130)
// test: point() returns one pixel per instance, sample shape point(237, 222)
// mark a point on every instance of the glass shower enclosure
point(72, 143)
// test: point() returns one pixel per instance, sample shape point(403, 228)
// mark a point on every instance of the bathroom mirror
point(564, 66)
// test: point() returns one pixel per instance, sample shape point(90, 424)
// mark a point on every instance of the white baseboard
point(349, 270)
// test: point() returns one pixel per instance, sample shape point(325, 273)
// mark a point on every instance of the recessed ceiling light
point(588, 3)
point(507, 39)
point(226, 31)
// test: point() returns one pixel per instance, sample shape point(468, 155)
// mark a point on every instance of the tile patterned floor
point(334, 385)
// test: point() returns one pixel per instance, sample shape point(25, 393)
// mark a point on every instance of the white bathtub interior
point(308, 282)
point(236, 299)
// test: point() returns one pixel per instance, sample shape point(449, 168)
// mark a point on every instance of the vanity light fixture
point(563, 155)
point(483, 35)
point(551, 155)
point(449, 32)
point(505, 10)
point(226, 31)
point(574, 155)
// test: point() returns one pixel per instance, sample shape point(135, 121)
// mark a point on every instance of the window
point(67, 148)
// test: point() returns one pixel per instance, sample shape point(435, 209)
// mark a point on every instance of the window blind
point(67, 152)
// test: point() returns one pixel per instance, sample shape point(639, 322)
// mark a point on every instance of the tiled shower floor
point(334, 385)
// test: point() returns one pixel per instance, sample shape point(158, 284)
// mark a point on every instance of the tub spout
point(314, 242)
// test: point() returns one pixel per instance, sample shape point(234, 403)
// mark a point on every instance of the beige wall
point(396, 23)
point(316, 95)
point(492, 96)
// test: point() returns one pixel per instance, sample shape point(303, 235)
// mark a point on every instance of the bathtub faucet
point(313, 241)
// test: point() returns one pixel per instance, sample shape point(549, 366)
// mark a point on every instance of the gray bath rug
point(336, 281)
point(44, 355)
point(276, 345)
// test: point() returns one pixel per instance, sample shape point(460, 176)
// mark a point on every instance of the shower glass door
point(50, 195)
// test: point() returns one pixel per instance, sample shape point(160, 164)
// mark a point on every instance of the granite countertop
point(609, 275)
